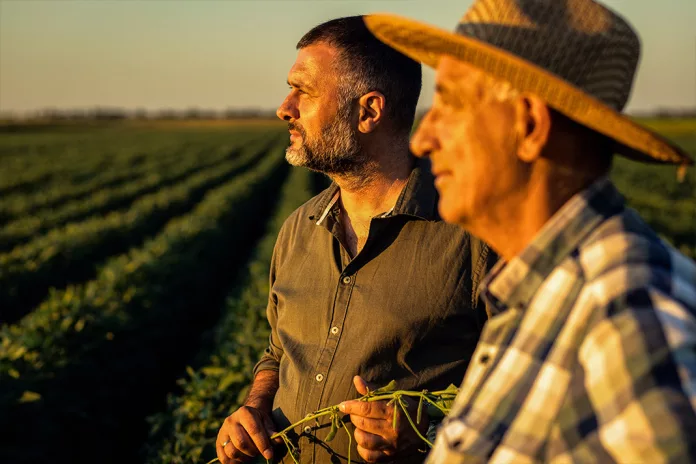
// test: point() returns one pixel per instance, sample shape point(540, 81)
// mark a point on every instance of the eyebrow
point(299, 84)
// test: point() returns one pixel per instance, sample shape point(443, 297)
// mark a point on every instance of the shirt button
point(334, 330)
point(319, 377)
point(346, 280)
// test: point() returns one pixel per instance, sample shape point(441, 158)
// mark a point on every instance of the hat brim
point(426, 44)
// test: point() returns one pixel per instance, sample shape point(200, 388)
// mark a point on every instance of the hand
point(374, 433)
point(246, 433)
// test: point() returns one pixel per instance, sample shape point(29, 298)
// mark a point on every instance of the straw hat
point(577, 55)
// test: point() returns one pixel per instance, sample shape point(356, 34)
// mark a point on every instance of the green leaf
point(29, 397)
point(229, 379)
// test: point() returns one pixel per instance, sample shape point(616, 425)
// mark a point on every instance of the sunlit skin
point(312, 105)
point(371, 188)
point(501, 171)
point(312, 100)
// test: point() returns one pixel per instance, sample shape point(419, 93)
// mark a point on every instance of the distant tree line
point(115, 114)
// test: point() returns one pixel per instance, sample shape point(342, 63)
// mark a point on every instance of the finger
point(377, 426)
point(236, 455)
point(221, 455)
point(373, 409)
point(373, 456)
point(360, 385)
point(269, 425)
point(371, 441)
point(241, 441)
point(256, 430)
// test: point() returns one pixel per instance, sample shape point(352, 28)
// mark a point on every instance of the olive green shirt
point(404, 308)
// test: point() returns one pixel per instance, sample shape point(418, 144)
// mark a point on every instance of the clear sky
point(219, 54)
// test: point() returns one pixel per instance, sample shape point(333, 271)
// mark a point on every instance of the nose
point(424, 140)
point(287, 111)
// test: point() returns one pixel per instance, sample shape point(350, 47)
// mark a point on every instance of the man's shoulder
point(624, 256)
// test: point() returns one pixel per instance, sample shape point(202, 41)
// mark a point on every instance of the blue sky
point(218, 54)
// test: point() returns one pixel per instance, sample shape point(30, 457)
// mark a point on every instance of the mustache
point(295, 127)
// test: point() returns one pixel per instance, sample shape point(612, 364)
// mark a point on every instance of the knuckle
point(358, 421)
point(238, 439)
point(360, 437)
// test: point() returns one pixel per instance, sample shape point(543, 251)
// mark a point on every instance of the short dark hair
point(369, 64)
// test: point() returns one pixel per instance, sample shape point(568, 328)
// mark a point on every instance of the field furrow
point(134, 165)
point(72, 253)
point(186, 431)
point(108, 199)
point(94, 359)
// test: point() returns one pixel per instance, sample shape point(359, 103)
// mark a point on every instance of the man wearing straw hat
point(591, 352)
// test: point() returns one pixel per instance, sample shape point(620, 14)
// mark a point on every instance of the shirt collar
point(418, 198)
point(514, 284)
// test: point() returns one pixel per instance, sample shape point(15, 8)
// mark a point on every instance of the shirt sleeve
point(639, 364)
point(270, 360)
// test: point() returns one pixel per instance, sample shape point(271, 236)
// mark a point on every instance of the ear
point(372, 106)
point(534, 118)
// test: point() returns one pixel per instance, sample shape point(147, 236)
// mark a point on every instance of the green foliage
point(185, 432)
point(667, 205)
point(98, 355)
point(72, 253)
point(148, 177)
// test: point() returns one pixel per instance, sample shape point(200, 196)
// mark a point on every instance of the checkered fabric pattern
point(591, 353)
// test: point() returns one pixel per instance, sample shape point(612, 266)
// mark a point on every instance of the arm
point(639, 369)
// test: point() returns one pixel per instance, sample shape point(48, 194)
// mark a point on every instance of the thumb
point(269, 425)
point(361, 385)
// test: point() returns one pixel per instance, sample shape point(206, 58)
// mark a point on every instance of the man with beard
point(367, 284)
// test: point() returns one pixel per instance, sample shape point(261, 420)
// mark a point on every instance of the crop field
point(134, 277)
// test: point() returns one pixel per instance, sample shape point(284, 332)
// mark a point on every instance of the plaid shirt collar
point(513, 284)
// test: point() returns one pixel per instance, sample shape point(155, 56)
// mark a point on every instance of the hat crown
point(580, 41)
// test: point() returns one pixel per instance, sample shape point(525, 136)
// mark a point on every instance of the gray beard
point(336, 151)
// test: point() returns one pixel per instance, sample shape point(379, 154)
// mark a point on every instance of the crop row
point(137, 162)
point(185, 432)
point(80, 372)
point(43, 160)
point(72, 253)
point(106, 199)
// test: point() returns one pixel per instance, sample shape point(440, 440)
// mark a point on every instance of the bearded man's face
point(323, 135)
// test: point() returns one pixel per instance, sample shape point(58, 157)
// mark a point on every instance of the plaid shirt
point(591, 352)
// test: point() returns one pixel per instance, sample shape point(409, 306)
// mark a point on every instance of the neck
point(376, 188)
point(512, 225)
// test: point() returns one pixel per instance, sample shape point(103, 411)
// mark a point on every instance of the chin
point(450, 213)
point(295, 157)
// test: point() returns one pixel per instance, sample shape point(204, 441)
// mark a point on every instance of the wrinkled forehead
point(314, 64)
